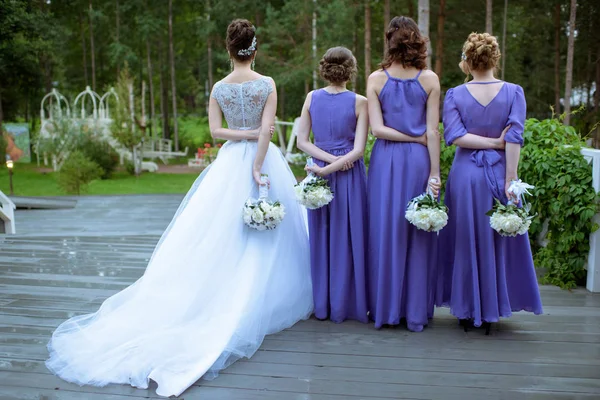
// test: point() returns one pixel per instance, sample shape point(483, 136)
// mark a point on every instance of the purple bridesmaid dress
point(401, 258)
point(483, 276)
point(337, 231)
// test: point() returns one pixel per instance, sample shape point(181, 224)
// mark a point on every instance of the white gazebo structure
point(7, 215)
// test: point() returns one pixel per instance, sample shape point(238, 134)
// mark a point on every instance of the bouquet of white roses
point(313, 192)
point(263, 214)
point(510, 220)
point(426, 213)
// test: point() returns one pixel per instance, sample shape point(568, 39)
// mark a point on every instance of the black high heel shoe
point(466, 324)
point(487, 326)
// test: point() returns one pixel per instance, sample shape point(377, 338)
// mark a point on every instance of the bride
point(213, 288)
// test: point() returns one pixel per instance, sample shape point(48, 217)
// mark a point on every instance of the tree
point(439, 49)
point(424, 25)
point(367, 39)
point(557, 30)
point(488, 16)
point(570, 53)
point(173, 81)
point(504, 38)
point(92, 48)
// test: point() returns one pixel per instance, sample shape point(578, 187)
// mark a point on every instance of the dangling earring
point(253, 63)
point(231, 65)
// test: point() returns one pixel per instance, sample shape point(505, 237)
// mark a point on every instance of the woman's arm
point(379, 130)
point(215, 122)
point(513, 152)
point(264, 137)
point(433, 133)
point(360, 141)
point(303, 135)
point(476, 142)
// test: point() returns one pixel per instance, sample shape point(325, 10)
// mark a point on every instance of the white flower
point(266, 207)
point(506, 224)
point(257, 215)
point(299, 189)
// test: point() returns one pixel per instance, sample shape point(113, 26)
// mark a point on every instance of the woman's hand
point(423, 139)
point(511, 196)
point(315, 169)
point(348, 165)
point(500, 143)
point(256, 174)
point(434, 184)
point(272, 130)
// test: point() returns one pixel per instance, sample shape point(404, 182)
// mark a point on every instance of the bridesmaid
point(403, 98)
point(484, 276)
point(339, 122)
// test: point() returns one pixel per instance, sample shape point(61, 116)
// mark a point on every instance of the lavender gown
point(337, 231)
point(484, 276)
point(401, 258)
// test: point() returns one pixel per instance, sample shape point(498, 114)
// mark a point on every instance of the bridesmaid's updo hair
point(405, 44)
point(480, 52)
point(241, 38)
point(338, 65)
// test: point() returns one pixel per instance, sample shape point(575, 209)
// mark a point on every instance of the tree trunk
point(386, 16)
point(488, 16)
point(367, 40)
point(439, 48)
point(314, 44)
point(164, 95)
point(355, 40)
point(209, 51)
point(504, 37)
point(92, 49)
point(151, 89)
point(411, 9)
point(570, 55)
point(173, 81)
point(424, 25)
point(84, 48)
point(596, 93)
point(118, 26)
point(557, 58)
point(1, 114)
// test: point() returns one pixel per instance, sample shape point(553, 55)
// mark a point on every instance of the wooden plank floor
point(66, 262)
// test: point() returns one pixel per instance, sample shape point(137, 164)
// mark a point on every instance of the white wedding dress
point(213, 288)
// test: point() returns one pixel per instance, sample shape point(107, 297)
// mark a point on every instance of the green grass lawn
point(27, 181)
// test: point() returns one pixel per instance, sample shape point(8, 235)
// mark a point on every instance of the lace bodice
point(243, 103)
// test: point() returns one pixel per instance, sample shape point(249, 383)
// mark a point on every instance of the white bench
point(593, 263)
point(7, 215)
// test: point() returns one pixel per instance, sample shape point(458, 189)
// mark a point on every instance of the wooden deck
point(66, 262)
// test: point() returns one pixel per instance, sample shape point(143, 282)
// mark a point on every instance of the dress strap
point(419, 74)
point(387, 73)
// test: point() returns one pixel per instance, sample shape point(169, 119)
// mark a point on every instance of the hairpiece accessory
point(249, 50)
point(463, 56)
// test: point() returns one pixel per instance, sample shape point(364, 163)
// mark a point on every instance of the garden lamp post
point(9, 165)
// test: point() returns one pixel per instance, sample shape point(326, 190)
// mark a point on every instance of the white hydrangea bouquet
point(313, 192)
point(510, 220)
point(427, 213)
point(263, 214)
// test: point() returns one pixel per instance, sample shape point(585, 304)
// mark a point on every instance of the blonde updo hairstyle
point(338, 65)
point(480, 53)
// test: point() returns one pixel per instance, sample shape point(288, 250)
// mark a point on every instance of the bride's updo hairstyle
point(405, 44)
point(241, 40)
point(338, 65)
point(480, 53)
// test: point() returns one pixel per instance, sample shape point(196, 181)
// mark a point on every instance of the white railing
point(593, 263)
point(7, 215)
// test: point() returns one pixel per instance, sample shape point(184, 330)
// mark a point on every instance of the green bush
point(564, 200)
point(100, 152)
point(77, 172)
point(194, 132)
point(3, 144)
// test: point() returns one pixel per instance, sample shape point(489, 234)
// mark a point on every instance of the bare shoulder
point(377, 76)
point(428, 76)
point(361, 101)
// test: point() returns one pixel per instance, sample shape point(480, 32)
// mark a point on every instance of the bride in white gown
point(213, 288)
